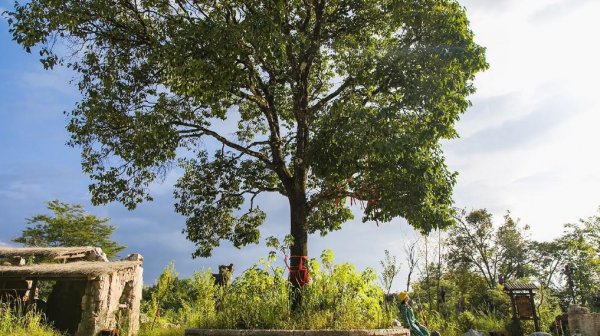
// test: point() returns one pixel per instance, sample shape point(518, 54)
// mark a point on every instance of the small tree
point(70, 226)
point(410, 249)
point(391, 268)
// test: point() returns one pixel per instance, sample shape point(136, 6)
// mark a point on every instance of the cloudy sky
point(528, 144)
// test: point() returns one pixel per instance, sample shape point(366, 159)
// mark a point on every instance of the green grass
point(17, 323)
point(338, 297)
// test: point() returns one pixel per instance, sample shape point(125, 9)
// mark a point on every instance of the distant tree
point(390, 269)
point(69, 226)
point(548, 262)
point(475, 243)
point(411, 249)
point(333, 99)
point(514, 249)
point(579, 248)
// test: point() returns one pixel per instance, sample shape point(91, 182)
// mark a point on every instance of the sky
point(528, 144)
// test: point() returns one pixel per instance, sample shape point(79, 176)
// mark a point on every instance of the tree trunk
point(299, 231)
point(298, 275)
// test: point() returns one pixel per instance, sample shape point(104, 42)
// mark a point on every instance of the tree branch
point(332, 95)
point(205, 131)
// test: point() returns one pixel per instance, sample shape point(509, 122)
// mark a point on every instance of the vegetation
point(390, 269)
point(19, 323)
point(69, 226)
point(333, 99)
point(457, 286)
point(338, 297)
point(451, 294)
point(462, 290)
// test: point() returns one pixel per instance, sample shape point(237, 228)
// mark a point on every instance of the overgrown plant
point(16, 321)
point(163, 287)
point(338, 297)
point(391, 268)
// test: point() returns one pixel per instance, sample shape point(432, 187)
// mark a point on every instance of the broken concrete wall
point(106, 308)
point(582, 322)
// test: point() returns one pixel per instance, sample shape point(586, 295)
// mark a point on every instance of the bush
point(258, 299)
point(435, 321)
point(490, 321)
point(466, 320)
point(338, 297)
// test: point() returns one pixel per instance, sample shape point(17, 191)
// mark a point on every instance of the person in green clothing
point(408, 317)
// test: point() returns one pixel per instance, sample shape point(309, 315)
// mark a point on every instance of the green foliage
point(145, 330)
point(258, 299)
point(338, 297)
point(578, 247)
point(20, 323)
point(391, 268)
point(478, 252)
point(69, 226)
point(581, 250)
point(162, 298)
point(466, 320)
point(201, 311)
point(476, 244)
point(333, 99)
point(491, 321)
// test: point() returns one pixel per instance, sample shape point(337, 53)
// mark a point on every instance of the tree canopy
point(69, 226)
point(333, 99)
point(503, 252)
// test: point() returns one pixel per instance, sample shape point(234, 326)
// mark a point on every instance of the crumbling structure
point(90, 295)
point(583, 322)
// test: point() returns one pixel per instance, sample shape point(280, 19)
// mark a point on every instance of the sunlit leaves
point(333, 99)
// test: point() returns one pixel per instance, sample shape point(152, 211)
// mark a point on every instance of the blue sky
point(528, 144)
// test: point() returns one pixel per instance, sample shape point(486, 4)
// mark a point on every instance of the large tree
point(69, 225)
point(333, 99)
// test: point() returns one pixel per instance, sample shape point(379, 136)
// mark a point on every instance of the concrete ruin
point(582, 322)
point(90, 295)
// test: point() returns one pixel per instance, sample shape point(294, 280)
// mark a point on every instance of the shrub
point(466, 320)
point(201, 310)
point(338, 297)
point(490, 321)
point(258, 299)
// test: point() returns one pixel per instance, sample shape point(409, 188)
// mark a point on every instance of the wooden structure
point(89, 296)
point(523, 305)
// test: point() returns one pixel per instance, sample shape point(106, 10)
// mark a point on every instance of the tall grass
point(338, 297)
point(16, 321)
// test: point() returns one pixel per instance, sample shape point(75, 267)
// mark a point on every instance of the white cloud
point(529, 140)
